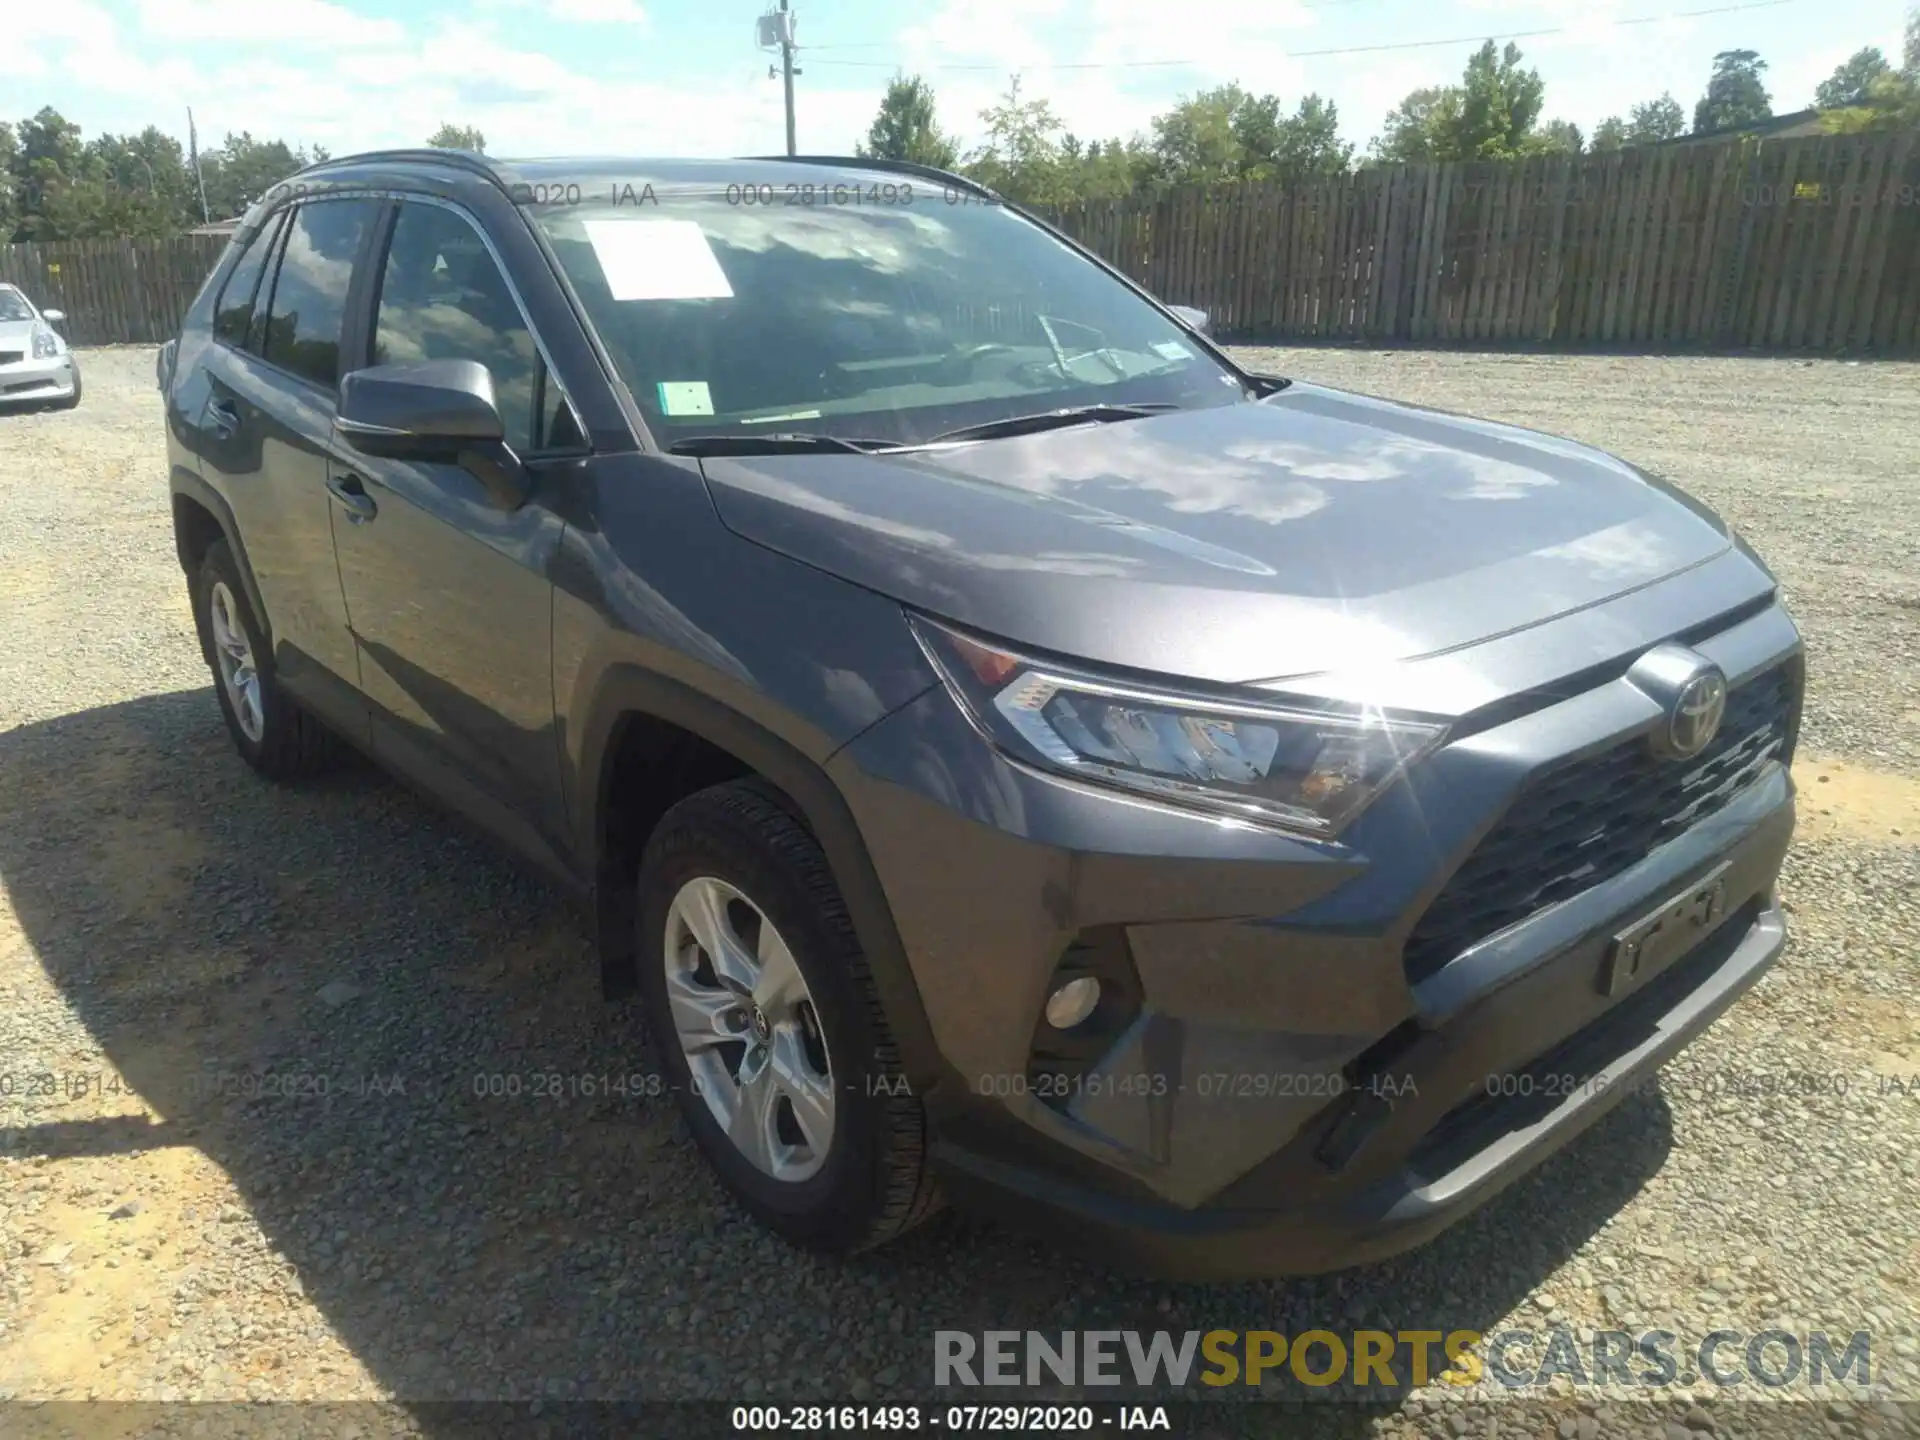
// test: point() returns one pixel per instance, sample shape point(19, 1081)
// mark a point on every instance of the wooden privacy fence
point(114, 292)
point(1807, 244)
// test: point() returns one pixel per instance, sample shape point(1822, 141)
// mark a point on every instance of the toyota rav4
point(1017, 754)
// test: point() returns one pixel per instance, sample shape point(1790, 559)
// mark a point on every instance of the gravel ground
point(170, 924)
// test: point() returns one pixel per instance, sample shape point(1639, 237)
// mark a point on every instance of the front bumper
point(38, 379)
point(1287, 1098)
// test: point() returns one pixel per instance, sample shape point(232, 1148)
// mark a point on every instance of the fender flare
point(627, 690)
point(185, 484)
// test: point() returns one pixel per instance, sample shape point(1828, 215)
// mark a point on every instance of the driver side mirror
point(53, 317)
point(1195, 320)
point(433, 410)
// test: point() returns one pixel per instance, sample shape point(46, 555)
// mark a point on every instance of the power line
point(1337, 50)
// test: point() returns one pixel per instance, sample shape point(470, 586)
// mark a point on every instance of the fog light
point(1073, 1002)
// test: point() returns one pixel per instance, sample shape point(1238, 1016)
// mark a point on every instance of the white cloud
point(265, 22)
point(598, 12)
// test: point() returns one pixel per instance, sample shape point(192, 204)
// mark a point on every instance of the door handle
point(351, 496)
point(224, 416)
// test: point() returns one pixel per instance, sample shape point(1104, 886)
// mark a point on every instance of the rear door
point(265, 436)
point(448, 594)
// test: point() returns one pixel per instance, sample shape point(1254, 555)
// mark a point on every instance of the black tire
point(72, 400)
point(292, 744)
point(875, 1183)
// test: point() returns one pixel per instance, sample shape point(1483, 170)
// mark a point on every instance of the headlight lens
point(45, 347)
point(1303, 769)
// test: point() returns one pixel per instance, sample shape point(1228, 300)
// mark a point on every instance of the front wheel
point(759, 998)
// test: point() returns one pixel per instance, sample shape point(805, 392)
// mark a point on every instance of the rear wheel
point(759, 998)
point(271, 732)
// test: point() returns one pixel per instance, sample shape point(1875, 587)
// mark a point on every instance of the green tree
point(47, 153)
point(1735, 94)
point(9, 210)
point(1489, 115)
point(905, 129)
point(243, 169)
point(1025, 156)
point(1609, 135)
point(1652, 121)
point(1307, 144)
point(456, 137)
point(1499, 105)
point(1850, 83)
point(1229, 134)
point(1556, 137)
point(1420, 128)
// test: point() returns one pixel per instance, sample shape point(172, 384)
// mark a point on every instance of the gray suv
point(1016, 754)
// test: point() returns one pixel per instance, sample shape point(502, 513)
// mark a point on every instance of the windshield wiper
point(780, 443)
point(1051, 420)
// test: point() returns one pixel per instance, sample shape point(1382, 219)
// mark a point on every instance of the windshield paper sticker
point(1172, 350)
point(657, 260)
point(684, 397)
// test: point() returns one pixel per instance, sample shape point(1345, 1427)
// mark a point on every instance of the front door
point(448, 594)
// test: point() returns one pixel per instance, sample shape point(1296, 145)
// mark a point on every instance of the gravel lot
point(168, 923)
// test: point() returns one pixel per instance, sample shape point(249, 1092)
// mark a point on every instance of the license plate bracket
point(1651, 943)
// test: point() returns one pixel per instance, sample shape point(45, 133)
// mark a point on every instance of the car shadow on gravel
point(391, 1042)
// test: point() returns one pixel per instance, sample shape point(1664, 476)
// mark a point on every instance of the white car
point(35, 363)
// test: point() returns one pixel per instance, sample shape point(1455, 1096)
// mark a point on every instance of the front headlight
point(45, 346)
point(1301, 768)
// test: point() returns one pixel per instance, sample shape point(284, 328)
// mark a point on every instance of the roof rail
point(423, 154)
point(898, 167)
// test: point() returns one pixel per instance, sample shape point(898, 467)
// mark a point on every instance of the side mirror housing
point(53, 317)
point(432, 411)
point(1196, 320)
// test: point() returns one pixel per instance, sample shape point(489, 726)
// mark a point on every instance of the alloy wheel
point(749, 1029)
point(233, 653)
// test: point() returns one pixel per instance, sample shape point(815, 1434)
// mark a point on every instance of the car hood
point(17, 334)
point(1312, 531)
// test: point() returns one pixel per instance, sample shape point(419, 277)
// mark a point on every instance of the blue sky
point(685, 76)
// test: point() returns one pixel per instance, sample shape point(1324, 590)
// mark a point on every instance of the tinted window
point(894, 315)
point(442, 297)
point(310, 290)
point(235, 308)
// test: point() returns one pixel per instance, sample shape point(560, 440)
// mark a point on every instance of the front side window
point(309, 301)
point(442, 297)
point(895, 320)
point(235, 308)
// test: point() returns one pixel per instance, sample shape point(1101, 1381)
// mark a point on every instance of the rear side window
point(442, 297)
point(235, 307)
point(310, 289)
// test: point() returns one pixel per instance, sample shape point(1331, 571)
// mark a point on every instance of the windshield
point(14, 306)
point(897, 314)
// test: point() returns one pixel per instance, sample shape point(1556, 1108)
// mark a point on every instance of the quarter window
point(235, 307)
point(310, 290)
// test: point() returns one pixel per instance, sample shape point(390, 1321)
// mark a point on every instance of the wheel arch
point(200, 517)
point(635, 708)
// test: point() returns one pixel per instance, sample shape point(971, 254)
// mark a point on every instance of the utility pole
point(199, 180)
point(786, 62)
point(777, 28)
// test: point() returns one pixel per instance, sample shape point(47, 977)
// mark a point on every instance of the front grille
point(1582, 823)
point(12, 357)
